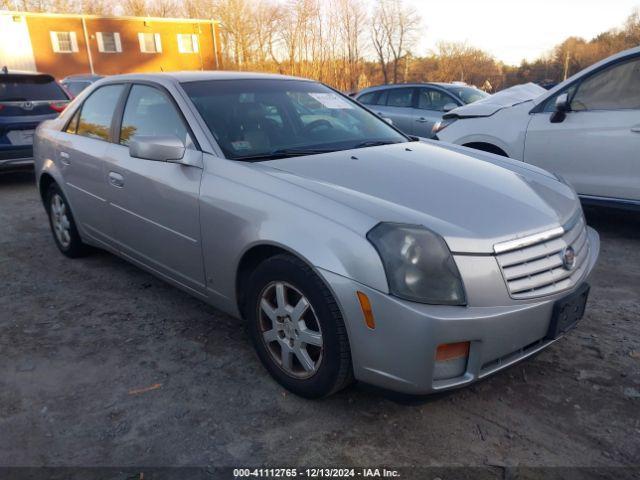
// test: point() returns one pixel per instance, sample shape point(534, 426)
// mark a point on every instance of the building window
point(109, 42)
point(64, 42)
point(150, 42)
point(187, 43)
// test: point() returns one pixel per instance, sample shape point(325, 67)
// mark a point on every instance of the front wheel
point(297, 329)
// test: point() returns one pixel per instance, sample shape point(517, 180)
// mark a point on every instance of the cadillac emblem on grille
point(568, 258)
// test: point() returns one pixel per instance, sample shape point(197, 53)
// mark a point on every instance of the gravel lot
point(103, 364)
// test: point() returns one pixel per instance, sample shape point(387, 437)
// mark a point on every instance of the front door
point(596, 146)
point(430, 108)
point(399, 109)
point(154, 205)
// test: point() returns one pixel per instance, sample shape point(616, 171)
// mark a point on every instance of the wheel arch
point(44, 183)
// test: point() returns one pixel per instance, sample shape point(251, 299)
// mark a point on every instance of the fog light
point(451, 360)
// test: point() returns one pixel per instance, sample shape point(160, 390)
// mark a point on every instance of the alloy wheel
point(290, 329)
point(60, 221)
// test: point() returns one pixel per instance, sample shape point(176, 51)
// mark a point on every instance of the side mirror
point(449, 106)
point(562, 106)
point(162, 148)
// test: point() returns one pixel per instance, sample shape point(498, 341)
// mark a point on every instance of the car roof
point(443, 85)
point(79, 77)
point(17, 74)
point(194, 76)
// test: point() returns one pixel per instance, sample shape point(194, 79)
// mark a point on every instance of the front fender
point(236, 218)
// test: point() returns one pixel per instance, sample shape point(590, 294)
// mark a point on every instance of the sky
point(512, 30)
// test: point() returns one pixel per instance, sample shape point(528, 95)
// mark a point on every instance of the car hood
point(503, 99)
point(473, 203)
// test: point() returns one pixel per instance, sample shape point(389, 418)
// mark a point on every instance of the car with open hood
point(350, 249)
point(586, 129)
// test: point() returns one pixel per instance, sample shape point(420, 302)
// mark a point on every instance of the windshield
point(468, 94)
point(260, 119)
point(22, 88)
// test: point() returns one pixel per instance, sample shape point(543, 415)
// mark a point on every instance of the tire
point(321, 322)
point(59, 212)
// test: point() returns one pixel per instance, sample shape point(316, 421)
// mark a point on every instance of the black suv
point(26, 99)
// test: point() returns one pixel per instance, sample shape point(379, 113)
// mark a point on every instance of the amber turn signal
point(449, 351)
point(365, 304)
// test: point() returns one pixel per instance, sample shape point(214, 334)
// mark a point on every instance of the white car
point(586, 130)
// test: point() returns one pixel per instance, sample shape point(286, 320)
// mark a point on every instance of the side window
point(382, 97)
point(400, 97)
point(72, 126)
point(367, 98)
point(97, 112)
point(150, 112)
point(424, 99)
point(550, 105)
point(75, 88)
point(431, 99)
point(615, 88)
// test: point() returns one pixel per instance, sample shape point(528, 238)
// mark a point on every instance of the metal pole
point(86, 42)
point(215, 44)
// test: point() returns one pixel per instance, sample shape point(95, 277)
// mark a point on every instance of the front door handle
point(64, 158)
point(116, 179)
point(635, 129)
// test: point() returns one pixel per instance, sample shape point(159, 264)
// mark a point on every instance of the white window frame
point(55, 43)
point(156, 40)
point(194, 43)
point(116, 40)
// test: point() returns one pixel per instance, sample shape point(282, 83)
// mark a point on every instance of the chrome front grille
point(534, 266)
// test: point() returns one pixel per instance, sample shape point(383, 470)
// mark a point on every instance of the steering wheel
point(316, 124)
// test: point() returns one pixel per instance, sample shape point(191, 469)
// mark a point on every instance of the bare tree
point(395, 28)
point(135, 8)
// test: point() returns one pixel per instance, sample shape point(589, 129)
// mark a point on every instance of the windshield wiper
point(285, 153)
point(374, 143)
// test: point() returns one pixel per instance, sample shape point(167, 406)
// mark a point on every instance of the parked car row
point(351, 249)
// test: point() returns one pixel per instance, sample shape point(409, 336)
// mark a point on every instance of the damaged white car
point(586, 129)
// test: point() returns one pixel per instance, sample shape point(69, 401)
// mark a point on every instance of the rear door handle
point(64, 158)
point(635, 129)
point(422, 120)
point(116, 179)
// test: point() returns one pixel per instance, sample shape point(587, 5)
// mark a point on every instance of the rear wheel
point(62, 224)
point(297, 329)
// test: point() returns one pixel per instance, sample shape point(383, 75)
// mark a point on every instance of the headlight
point(418, 264)
point(442, 124)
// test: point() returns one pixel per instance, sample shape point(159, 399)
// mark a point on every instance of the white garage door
point(15, 45)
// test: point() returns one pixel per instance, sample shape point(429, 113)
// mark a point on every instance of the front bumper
point(399, 354)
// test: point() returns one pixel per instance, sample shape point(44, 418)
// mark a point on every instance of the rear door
point(82, 147)
point(596, 146)
point(25, 101)
point(154, 206)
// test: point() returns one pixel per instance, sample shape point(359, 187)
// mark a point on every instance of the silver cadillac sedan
point(351, 250)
